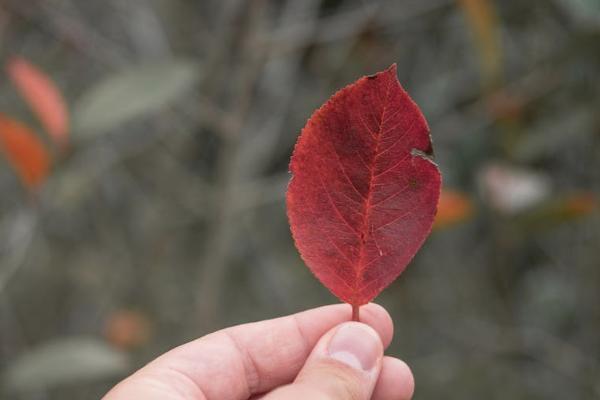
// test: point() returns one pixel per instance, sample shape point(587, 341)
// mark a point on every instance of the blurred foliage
point(64, 361)
point(163, 219)
point(132, 93)
point(24, 152)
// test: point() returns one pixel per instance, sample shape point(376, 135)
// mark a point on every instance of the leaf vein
point(335, 207)
point(345, 173)
point(392, 167)
point(404, 189)
point(394, 220)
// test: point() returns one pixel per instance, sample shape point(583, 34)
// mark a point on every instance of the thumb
point(345, 364)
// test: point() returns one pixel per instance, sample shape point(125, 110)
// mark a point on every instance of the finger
point(345, 364)
point(238, 362)
point(395, 382)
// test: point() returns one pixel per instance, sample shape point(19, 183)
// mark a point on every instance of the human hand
point(313, 355)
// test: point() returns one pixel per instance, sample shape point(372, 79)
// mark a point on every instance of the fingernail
point(356, 345)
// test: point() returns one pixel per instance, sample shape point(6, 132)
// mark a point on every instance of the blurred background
point(143, 168)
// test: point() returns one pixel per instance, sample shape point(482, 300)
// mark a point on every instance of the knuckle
point(297, 391)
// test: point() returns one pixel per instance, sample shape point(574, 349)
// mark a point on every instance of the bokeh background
point(143, 189)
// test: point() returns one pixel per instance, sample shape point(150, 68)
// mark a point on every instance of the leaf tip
point(392, 69)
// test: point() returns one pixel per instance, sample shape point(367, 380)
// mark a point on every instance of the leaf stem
point(355, 313)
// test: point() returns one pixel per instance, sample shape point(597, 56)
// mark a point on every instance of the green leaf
point(131, 93)
point(64, 361)
point(585, 11)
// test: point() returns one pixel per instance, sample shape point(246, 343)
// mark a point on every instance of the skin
point(315, 354)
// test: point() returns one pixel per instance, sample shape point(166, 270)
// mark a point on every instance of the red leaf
point(43, 97)
point(24, 151)
point(364, 193)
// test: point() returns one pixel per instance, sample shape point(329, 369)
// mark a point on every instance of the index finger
point(238, 362)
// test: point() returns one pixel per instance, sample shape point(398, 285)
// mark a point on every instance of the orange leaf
point(127, 329)
point(566, 208)
point(482, 20)
point(43, 97)
point(24, 151)
point(580, 204)
point(453, 207)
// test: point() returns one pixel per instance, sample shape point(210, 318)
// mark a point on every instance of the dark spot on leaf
point(429, 150)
